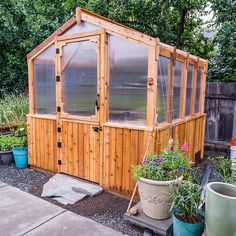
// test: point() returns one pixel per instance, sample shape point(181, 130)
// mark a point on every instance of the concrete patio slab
point(71, 224)
point(20, 212)
point(2, 184)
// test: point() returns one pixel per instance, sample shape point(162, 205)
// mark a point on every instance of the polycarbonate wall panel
point(189, 90)
point(162, 85)
point(84, 27)
point(45, 85)
point(79, 66)
point(198, 91)
point(128, 81)
point(178, 77)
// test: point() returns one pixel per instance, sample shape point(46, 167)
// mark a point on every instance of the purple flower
point(175, 158)
point(181, 169)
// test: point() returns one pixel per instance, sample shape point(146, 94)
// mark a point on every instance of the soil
point(195, 219)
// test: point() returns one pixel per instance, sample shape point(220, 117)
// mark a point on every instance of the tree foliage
point(223, 63)
point(24, 24)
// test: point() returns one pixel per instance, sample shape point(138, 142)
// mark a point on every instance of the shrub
point(13, 109)
point(224, 167)
point(171, 164)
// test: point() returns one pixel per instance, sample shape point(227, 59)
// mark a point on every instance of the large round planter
point(220, 209)
point(6, 157)
point(21, 157)
point(182, 228)
point(156, 197)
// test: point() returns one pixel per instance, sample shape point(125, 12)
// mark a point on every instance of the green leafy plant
point(7, 143)
point(171, 164)
point(13, 109)
point(21, 134)
point(224, 167)
point(187, 198)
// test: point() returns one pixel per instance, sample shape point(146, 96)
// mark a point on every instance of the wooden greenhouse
point(95, 87)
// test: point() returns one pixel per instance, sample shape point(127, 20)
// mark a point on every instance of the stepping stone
point(2, 184)
point(68, 190)
point(21, 211)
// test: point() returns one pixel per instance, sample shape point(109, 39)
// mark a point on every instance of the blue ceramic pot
point(21, 157)
point(181, 228)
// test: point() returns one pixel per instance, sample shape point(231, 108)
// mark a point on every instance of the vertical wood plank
point(81, 151)
point(126, 160)
point(86, 152)
point(119, 159)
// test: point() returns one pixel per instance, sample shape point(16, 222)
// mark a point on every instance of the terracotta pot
point(156, 197)
point(220, 209)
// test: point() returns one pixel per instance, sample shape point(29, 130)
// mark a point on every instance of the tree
point(24, 24)
point(223, 63)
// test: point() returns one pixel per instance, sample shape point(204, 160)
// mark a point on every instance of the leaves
point(170, 165)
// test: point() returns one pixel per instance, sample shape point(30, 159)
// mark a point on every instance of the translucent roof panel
point(45, 86)
point(84, 27)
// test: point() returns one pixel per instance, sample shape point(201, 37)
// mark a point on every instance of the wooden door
point(78, 99)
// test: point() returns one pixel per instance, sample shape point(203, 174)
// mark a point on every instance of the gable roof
point(114, 28)
point(84, 15)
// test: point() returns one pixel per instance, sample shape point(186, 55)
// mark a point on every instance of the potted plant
point(155, 177)
point(220, 209)
point(7, 143)
point(188, 220)
point(21, 153)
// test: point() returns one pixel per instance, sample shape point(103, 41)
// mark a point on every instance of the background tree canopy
point(26, 23)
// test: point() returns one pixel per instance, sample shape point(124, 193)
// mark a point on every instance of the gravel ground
point(105, 208)
point(199, 171)
point(24, 179)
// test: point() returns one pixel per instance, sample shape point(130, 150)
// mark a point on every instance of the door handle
point(97, 103)
point(97, 129)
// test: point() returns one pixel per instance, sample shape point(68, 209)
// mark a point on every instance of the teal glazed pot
point(220, 209)
point(182, 228)
point(21, 157)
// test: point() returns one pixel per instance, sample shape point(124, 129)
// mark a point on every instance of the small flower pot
point(6, 157)
point(182, 228)
point(156, 197)
point(220, 209)
point(21, 157)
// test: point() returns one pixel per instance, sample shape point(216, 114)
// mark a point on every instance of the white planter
point(156, 197)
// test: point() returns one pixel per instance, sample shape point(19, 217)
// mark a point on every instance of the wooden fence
point(220, 106)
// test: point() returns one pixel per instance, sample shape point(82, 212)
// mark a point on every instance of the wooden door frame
point(102, 87)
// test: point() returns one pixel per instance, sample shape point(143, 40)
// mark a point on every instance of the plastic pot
point(21, 157)
point(220, 209)
point(182, 228)
point(6, 157)
point(156, 197)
